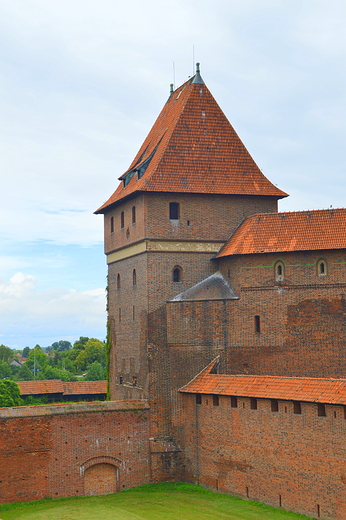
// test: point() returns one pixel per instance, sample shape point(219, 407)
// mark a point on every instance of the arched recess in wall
point(321, 267)
point(177, 274)
point(101, 475)
point(279, 271)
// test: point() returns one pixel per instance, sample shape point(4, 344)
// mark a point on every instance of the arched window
point(133, 214)
point(134, 277)
point(322, 267)
point(122, 220)
point(112, 224)
point(177, 274)
point(279, 271)
point(118, 281)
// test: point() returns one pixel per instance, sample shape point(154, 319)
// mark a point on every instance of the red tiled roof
point(49, 386)
point(85, 387)
point(193, 148)
point(292, 231)
point(55, 386)
point(332, 391)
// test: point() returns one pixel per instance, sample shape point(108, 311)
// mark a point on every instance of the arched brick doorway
point(101, 476)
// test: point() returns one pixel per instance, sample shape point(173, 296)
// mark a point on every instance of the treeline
point(61, 360)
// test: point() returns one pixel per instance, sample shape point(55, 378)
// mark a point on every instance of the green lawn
point(152, 502)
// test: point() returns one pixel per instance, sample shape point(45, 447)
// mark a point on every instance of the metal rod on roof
point(193, 59)
point(173, 75)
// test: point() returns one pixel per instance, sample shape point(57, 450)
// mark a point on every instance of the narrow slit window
point(119, 315)
point(134, 277)
point(198, 399)
point(118, 281)
point(297, 408)
point(133, 214)
point(234, 401)
point(253, 403)
point(257, 324)
point(215, 400)
point(122, 220)
point(321, 410)
point(174, 211)
point(133, 313)
point(112, 224)
point(121, 379)
point(274, 405)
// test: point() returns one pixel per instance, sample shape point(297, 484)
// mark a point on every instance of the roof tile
point(193, 148)
point(291, 231)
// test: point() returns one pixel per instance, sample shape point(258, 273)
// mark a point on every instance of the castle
point(227, 325)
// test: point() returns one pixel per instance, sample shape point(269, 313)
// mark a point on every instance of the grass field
point(151, 502)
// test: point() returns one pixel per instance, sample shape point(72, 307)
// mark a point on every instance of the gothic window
point(112, 224)
point(134, 277)
point(122, 220)
point(118, 281)
point(174, 211)
point(133, 214)
point(321, 267)
point(177, 274)
point(279, 271)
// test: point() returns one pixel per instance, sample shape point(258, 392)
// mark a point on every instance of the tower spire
point(197, 77)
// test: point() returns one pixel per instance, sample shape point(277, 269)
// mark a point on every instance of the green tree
point(24, 373)
point(37, 360)
point(94, 350)
point(6, 353)
point(26, 352)
point(9, 393)
point(61, 345)
point(96, 372)
point(5, 370)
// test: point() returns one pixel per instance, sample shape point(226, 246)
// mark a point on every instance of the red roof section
point(192, 148)
point(55, 386)
point(332, 391)
point(292, 231)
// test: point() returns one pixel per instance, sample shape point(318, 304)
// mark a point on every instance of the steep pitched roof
point(332, 391)
point(292, 231)
point(192, 148)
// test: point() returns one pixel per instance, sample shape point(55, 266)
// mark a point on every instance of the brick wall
point(72, 450)
point(287, 460)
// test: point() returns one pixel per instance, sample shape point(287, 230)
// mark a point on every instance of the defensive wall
point(73, 449)
point(248, 448)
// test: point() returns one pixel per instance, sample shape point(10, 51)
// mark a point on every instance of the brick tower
point(188, 188)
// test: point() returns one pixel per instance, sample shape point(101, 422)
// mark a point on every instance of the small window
point(198, 399)
point(234, 401)
point(274, 405)
point(121, 379)
point(321, 410)
point(177, 274)
point(215, 400)
point(174, 211)
point(253, 403)
point(112, 224)
point(322, 267)
point(279, 271)
point(122, 220)
point(134, 277)
point(297, 409)
point(133, 312)
point(118, 281)
point(133, 214)
point(257, 324)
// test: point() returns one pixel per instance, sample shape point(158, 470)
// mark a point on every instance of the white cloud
point(26, 312)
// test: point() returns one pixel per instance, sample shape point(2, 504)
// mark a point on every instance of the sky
point(82, 82)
